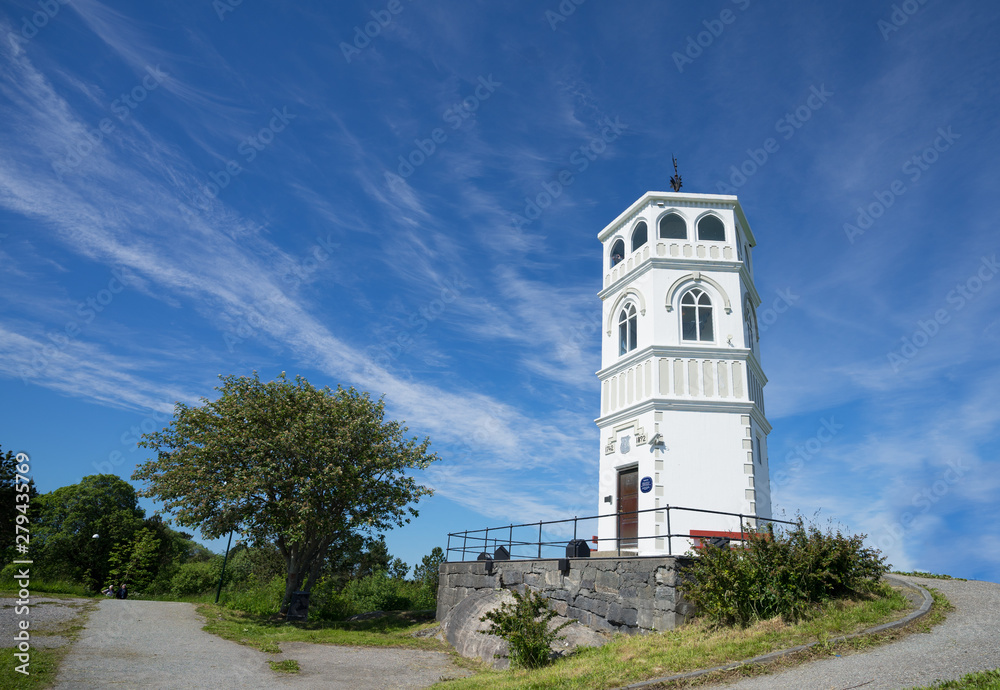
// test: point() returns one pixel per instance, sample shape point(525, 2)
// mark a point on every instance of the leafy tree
point(9, 503)
point(428, 570)
point(135, 562)
point(62, 539)
point(374, 559)
point(398, 569)
point(286, 463)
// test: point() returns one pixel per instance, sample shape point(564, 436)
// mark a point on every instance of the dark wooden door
point(628, 503)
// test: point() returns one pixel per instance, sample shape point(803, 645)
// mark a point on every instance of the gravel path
point(46, 614)
point(969, 640)
point(153, 644)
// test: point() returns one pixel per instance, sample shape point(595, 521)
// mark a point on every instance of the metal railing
point(487, 540)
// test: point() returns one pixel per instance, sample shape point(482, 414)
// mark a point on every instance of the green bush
point(780, 574)
point(376, 592)
point(192, 579)
point(261, 599)
point(524, 624)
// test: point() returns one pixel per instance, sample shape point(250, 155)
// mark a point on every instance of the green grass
point(286, 666)
point(44, 663)
point(42, 668)
point(266, 633)
point(918, 573)
point(47, 587)
point(628, 659)
point(984, 680)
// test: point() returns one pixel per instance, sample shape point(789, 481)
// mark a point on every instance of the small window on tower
point(696, 316)
point(617, 252)
point(639, 236)
point(627, 335)
point(711, 229)
point(673, 227)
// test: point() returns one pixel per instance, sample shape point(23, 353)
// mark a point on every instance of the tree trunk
point(293, 579)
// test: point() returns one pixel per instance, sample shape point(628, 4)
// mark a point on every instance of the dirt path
point(152, 644)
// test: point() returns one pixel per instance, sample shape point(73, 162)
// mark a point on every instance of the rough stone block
point(615, 614)
point(607, 581)
point(630, 617)
point(553, 577)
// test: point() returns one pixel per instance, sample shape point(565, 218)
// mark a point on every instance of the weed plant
point(525, 624)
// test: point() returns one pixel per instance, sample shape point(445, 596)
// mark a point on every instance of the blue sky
point(190, 189)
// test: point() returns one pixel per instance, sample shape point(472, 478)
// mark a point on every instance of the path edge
point(921, 611)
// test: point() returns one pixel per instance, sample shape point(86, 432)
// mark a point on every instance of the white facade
point(682, 409)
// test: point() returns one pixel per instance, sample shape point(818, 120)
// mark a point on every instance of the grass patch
point(286, 666)
point(265, 633)
point(43, 663)
point(46, 587)
point(697, 646)
point(917, 573)
point(42, 668)
point(984, 680)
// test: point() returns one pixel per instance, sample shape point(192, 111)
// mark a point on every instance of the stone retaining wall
point(615, 594)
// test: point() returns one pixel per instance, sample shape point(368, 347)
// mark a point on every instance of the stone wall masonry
point(627, 595)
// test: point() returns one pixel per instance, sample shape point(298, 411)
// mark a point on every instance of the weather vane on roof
point(675, 181)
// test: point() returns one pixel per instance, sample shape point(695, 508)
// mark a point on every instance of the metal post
point(486, 541)
point(224, 559)
point(539, 538)
point(465, 541)
point(510, 540)
point(574, 527)
point(447, 552)
point(670, 546)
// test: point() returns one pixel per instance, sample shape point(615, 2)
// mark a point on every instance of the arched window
point(673, 227)
point(711, 229)
point(748, 330)
point(639, 235)
point(696, 316)
point(627, 335)
point(617, 252)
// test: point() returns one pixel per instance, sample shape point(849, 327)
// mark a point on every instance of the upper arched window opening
point(673, 227)
point(627, 329)
point(639, 235)
point(711, 229)
point(617, 252)
point(696, 316)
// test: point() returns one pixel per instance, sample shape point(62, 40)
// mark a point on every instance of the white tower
point(682, 409)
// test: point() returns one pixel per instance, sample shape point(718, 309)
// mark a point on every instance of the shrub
point(261, 599)
point(524, 624)
point(326, 603)
point(375, 592)
point(192, 579)
point(780, 574)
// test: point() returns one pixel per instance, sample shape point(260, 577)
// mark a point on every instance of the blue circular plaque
point(646, 484)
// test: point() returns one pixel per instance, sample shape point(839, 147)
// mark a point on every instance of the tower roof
point(681, 199)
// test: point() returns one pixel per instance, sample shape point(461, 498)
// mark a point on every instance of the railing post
point(465, 541)
point(486, 541)
point(539, 538)
point(574, 527)
point(510, 540)
point(670, 545)
point(448, 548)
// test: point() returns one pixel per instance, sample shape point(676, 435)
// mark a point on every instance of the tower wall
point(687, 412)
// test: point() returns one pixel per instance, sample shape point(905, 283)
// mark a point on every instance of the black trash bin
point(577, 548)
point(298, 607)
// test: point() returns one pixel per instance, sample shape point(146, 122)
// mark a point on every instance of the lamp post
point(224, 559)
